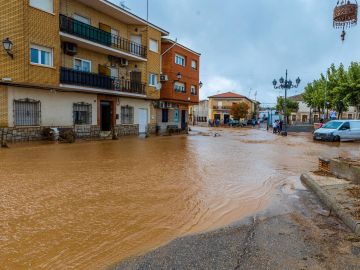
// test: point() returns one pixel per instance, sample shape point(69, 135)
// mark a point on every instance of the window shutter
point(105, 27)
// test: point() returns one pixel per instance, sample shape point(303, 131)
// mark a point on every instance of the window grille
point(82, 113)
point(27, 112)
point(127, 115)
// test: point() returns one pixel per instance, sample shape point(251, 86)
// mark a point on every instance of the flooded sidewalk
point(92, 204)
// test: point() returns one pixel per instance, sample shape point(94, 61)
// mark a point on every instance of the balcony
point(80, 78)
point(90, 33)
point(222, 107)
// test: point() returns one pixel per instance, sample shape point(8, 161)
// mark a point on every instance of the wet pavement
point(90, 205)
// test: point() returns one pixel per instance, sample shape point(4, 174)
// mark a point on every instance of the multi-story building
point(180, 84)
point(305, 114)
point(74, 63)
point(220, 106)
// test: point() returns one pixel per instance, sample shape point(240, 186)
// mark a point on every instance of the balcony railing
point(81, 78)
point(91, 33)
point(222, 107)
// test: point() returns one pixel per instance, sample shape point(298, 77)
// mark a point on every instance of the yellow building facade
point(220, 106)
point(92, 58)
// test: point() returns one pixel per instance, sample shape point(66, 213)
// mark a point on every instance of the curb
point(330, 201)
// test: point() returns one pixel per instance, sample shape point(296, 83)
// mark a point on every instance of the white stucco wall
point(56, 107)
point(136, 104)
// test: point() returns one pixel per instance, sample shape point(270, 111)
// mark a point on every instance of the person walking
point(275, 127)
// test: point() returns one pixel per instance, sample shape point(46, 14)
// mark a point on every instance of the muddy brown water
point(91, 204)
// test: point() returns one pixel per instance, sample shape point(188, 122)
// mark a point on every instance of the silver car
point(339, 130)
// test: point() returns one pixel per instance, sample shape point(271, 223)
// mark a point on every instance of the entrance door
point(226, 119)
point(105, 114)
point(183, 119)
point(143, 120)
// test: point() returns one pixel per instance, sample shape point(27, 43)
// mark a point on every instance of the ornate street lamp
point(345, 15)
point(7, 44)
point(201, 84)
point(285, 84)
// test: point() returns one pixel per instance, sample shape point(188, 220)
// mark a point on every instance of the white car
point(339, 130)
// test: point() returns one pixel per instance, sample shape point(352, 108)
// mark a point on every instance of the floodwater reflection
point(91, 204)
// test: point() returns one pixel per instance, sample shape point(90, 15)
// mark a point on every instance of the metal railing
point(91, 33)
point(82, 78)
point(222, 107)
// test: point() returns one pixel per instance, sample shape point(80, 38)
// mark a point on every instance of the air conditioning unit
point(162, 105)
point(164, 78)
point(124, 62)
point(70, 48)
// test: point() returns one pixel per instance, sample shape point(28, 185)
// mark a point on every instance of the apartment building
point(220, 106)
point(180, 81)
point(90, 65)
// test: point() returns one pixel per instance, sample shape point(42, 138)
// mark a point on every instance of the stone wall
point(24, 134)
point(126, 130)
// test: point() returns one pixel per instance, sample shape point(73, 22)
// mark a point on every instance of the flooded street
point(91, 204)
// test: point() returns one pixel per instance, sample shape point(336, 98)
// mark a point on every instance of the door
point(345, 132)
point(143, 120)
point(226, 119)
point(135, 81)
point(183, 119)
point(135, 44)
point(105, 115)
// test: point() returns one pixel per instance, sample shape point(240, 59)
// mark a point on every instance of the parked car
point(339, 130)
point(251, 122)
point(234, 123)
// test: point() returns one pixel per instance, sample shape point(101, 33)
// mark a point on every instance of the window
point(179, 87)
point(114, 72)
point(127, 115)
point(27, 112)
point(345, 126)
point(82, 65)
point(152, 79)
point(193, 64)
point(82, 19)
point(45, 5)
point(154, 45)
point(180, 60)
point(193, 90)
point(41, 56)
point(82, 113)
point(114, 36)
point(165, 115)
point(350, 116)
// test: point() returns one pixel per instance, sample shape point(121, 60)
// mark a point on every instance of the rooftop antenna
point(123, 6)
point(250, 92)
point(255, 95)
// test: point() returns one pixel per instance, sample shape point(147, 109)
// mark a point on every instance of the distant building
point(199, 113)
point(305, 114)
point(220, 106)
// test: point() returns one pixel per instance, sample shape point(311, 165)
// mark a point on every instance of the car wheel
point(336, 139)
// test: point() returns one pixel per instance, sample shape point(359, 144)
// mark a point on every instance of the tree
point(291, 106)
point(239, 110)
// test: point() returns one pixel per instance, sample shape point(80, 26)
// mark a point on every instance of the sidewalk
point(341, 196)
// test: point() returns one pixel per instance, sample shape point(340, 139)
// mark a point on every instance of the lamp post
point(7, 45)
point(285, 84)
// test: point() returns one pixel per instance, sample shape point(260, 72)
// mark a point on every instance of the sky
point(245, 44)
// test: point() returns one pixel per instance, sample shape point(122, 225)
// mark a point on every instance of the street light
point(285, 84)
point(7, 44)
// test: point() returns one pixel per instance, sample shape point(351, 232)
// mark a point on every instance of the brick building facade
point(180, 84)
